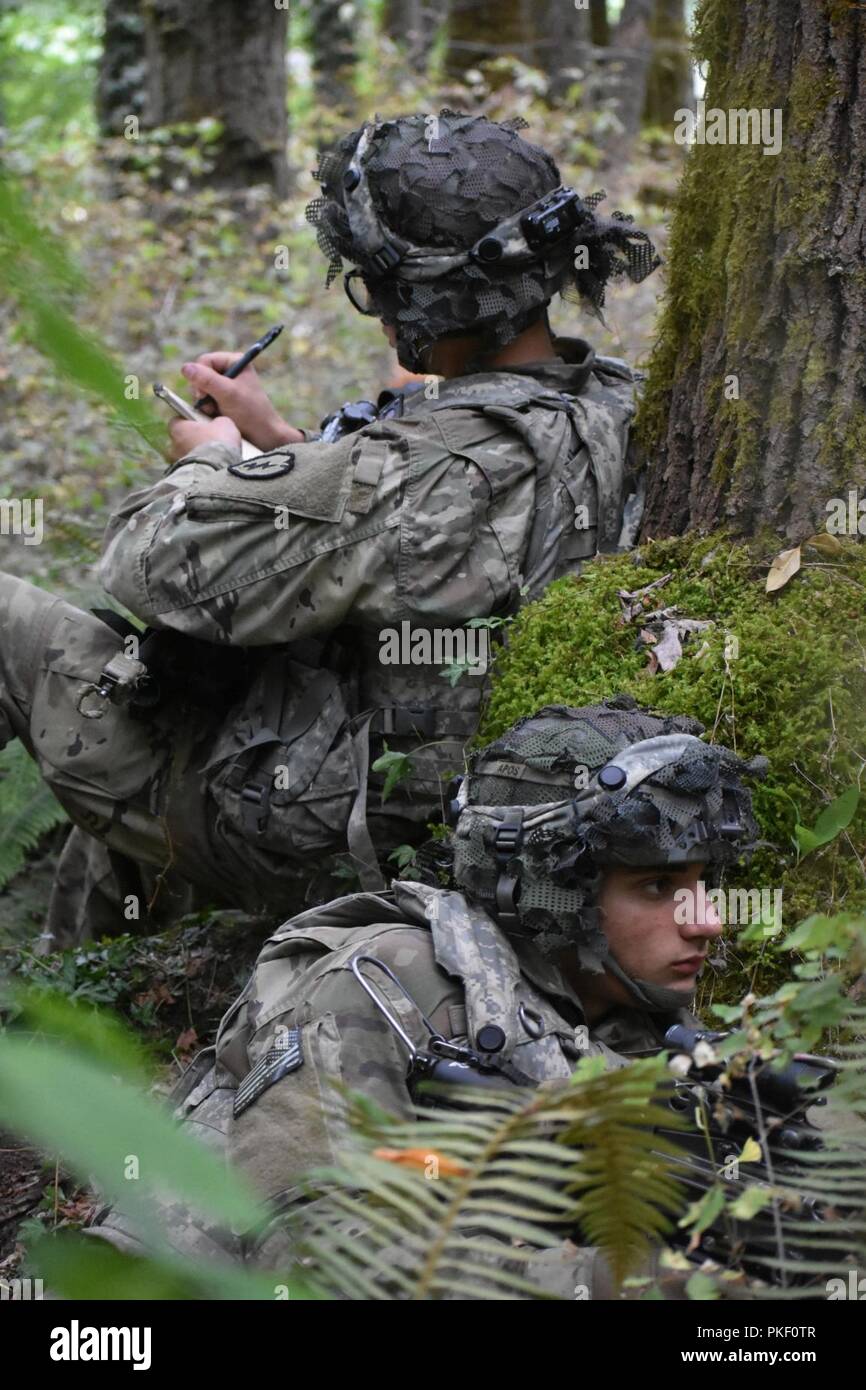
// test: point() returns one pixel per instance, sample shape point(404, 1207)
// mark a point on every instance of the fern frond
point(526, 1170)
point(28, 809)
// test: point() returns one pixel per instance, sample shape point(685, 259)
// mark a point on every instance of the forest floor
point(167, 274)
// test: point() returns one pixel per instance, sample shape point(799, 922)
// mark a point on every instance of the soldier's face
point(655, 932)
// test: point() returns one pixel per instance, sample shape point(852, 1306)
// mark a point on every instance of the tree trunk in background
point(548, 34)
point(227, 62)
point(629, 73)
point(413, 25)
point(563, 45)
point(599, 23)
point(755, 408)
point(483, 29)
point(120, 89)
point(669, 79)
point(332, 37)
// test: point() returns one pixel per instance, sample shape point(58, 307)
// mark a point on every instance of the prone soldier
point(577, 829)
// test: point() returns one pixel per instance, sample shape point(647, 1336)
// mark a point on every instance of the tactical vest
point(534, 1038)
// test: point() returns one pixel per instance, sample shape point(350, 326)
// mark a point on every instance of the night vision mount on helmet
point(569, 791)
point(457, 225)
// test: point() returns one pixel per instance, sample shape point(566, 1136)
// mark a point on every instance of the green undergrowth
point(792, 686)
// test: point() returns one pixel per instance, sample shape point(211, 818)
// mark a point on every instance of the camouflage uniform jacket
point(457, 509)
point(275, 1122)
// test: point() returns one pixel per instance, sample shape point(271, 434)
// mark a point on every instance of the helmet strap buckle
point(506, 843)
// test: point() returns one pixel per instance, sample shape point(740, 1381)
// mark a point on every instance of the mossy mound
point(792, 685)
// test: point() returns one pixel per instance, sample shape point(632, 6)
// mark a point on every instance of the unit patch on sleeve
point(263, 466)
point(285, 1054)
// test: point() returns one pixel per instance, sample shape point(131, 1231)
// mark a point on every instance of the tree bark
point(563, 43)
point(755, 408)
point(629, 73)
point(669, 86)
point(548, 34)
point(482, 29)
point(227, 63)
point(599, 23)
point(120, 88)
point(412, 24)
point(333, 54)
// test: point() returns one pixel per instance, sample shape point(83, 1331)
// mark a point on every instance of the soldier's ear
point(454, 804)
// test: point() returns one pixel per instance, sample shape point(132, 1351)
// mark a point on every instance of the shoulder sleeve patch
point(285, 1054)
point(308, 480)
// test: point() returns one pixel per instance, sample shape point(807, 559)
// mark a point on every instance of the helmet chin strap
point(654, 998)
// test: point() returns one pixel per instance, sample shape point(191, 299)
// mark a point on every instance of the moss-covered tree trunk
point(225, 61)
point(755, 410)
point(120, 88)
point(668, 84)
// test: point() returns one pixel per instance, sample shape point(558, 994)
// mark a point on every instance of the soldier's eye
point(658, 887)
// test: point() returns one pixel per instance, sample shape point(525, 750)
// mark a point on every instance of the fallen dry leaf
point(187, 1040)
point(635, 602)
point(422, 1158)
point(825, 543)
point(783, 568)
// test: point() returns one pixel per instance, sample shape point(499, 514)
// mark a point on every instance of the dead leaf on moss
point(665, 633)
point(636, 602)
point(783, 568)
point(825, 543)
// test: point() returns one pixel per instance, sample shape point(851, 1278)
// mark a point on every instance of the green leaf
point(831, 822)
point(702, 1286)
point(701, 1215)
point(107, 1130)
point(79, 1266)
point(750, 1202)
point(396, 766)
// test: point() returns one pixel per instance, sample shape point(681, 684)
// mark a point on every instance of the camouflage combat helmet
point(456, 225)
point(567, 792)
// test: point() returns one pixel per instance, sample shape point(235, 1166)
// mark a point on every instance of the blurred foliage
point(71, 1078)
point(49, 51)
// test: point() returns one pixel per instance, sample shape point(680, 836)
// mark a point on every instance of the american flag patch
point(285, 1054)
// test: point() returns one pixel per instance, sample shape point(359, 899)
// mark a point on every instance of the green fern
point(28, 809)
point(509, 1184)
point(601, 1159)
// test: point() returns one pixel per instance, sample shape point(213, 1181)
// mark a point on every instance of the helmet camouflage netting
point(427, 184)
point(567, 791)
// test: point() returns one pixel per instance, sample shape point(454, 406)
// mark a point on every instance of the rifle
point(765, 1103)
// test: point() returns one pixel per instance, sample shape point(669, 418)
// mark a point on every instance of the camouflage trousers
point(146, 844)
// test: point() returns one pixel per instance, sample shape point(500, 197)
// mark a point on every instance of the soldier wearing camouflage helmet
point(576, 830)
point(233, 748)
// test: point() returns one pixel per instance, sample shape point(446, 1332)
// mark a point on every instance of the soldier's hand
point(243, 400)
point(187, 435)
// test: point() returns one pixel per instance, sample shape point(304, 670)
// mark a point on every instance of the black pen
point(237, 367)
